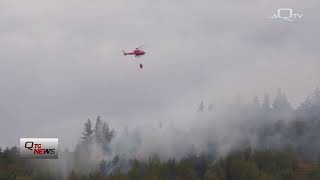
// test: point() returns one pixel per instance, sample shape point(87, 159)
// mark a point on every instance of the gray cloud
point(61, 61)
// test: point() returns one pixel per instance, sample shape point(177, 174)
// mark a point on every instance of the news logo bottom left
point(39, 148)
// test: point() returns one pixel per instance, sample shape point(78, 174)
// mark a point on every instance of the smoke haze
point(61, 63)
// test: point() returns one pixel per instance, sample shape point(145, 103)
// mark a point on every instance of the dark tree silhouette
point(88, 132)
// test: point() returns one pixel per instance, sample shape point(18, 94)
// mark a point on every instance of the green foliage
point(239, 165)
point(247, 164)
point(13, 167)
point(254, 165)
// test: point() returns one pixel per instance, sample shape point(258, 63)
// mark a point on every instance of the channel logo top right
point(286, 14)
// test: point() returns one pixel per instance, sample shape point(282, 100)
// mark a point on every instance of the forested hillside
point(271, 140)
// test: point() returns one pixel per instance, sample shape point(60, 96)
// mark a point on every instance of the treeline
point(239, 165)
point(279, 126)
point(12, 166)
point(273, 139)
point(272, 124)
point(247, 164)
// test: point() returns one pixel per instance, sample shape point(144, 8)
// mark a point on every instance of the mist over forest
point(213, 133)
point(267, 138)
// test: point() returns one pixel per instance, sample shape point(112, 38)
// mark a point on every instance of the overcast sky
point(61, 61)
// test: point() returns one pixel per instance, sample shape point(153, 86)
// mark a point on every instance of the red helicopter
point(137, 53)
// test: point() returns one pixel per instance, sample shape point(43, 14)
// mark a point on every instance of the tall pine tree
point(88, 132)
point(107, 133)
point(98, 130)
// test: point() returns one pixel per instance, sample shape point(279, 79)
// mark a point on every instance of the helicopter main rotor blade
point(140, 47)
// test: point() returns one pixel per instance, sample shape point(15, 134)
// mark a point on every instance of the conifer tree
point(88, 132)
point(98, 130)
